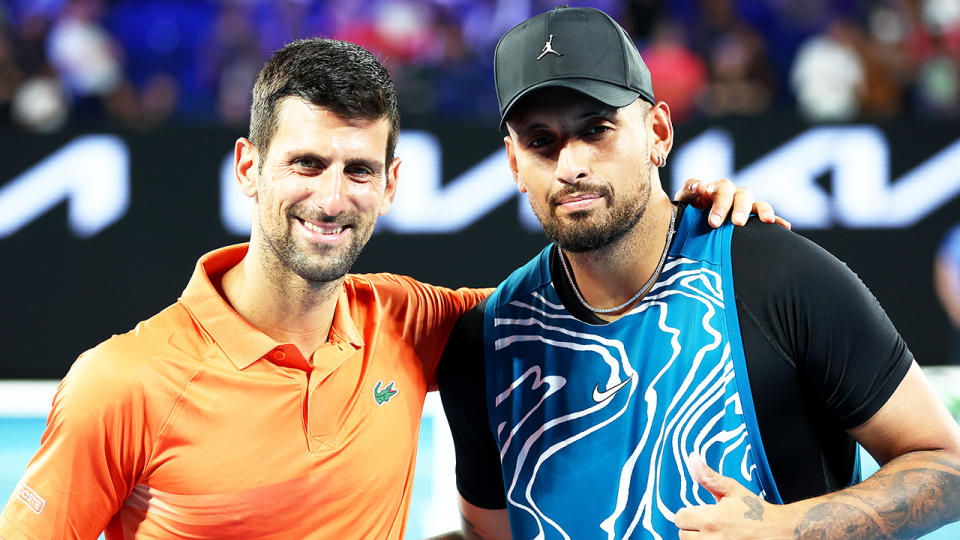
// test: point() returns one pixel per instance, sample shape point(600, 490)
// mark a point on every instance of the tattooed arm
point(909, 497)
point(917, 489)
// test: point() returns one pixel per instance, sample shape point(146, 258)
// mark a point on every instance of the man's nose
point(572, 163)
point(328, 191)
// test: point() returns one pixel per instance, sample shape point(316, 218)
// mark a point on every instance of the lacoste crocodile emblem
point(383, 396)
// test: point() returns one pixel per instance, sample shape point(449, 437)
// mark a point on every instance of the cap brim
point(609, 93)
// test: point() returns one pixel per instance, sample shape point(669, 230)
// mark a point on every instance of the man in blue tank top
point(646, 376)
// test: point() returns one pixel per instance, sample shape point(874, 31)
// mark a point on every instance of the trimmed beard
point(581, 231)
point(334, 263)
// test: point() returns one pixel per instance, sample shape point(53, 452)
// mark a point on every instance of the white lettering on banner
point(92, 173)
point(858, 159)
point(423, 205)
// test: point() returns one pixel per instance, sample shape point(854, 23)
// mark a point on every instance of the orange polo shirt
point(197, 425)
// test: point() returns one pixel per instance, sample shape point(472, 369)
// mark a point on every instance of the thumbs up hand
point(737, 514)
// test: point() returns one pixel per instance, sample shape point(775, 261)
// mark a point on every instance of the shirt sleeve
point(429, 314)
point(463, 393)
point(89, 455)
point(822, 319)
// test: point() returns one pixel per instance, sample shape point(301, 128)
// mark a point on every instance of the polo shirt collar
point(241, 342)
point(344, 329)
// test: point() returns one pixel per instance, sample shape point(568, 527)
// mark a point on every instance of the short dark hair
point(339, 76)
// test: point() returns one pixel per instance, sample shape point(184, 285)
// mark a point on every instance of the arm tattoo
point(836, 520)
point(756, 509)
point(470, 531)
point(905, 503)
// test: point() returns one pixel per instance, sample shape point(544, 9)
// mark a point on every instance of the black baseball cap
point(578, 48)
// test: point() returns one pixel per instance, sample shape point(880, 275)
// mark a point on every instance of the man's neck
point(610, 276)
point(287, 308)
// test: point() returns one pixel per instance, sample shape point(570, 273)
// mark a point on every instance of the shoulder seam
point(168, 418)
point(745, 309)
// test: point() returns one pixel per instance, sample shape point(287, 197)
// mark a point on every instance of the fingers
point(717, 196)
point(697, 467)
point(764, 211)
point(721, 192)
point(689, 192)
point(718, 485)
point(743, 204)
point(688, 519)
point(724, 198)
point(694, 521)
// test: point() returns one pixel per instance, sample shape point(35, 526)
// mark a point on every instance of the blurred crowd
point(141, 63)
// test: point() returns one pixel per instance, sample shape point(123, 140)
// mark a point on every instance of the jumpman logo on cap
point(548, 48)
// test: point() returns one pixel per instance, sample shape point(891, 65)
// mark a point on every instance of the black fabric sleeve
point(823, 317)
point(822, 355)
point(463, 393)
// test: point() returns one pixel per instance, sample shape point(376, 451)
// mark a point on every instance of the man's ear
point(662, 129)
point(512, 160)
point(245, 158)
point(393, 174)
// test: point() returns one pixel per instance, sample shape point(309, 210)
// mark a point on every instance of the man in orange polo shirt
point(279, 397)
point(206, 420)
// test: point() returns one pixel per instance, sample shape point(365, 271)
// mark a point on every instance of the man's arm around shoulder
point(463, 391)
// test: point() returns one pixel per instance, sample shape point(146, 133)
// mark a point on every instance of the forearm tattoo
point(900, 503)
point(470, 531)
point(756, 508)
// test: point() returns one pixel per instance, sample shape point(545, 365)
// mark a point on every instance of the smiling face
point(318, 191)
point(586, 166)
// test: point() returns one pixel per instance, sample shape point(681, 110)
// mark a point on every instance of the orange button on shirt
point(197, 425)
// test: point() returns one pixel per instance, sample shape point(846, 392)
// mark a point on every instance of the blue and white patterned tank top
point(595, 423)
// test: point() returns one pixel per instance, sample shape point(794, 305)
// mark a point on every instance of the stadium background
point(117, 118)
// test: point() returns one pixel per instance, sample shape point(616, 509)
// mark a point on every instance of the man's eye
point(597, 130)
point(539, 142)
point(359, 171)
point(307, 163)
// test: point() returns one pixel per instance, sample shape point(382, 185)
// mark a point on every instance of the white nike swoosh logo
point(600, 397)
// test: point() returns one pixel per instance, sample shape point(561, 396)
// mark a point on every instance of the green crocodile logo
point(383, 396)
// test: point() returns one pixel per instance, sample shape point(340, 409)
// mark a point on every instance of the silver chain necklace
point(646, 286)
